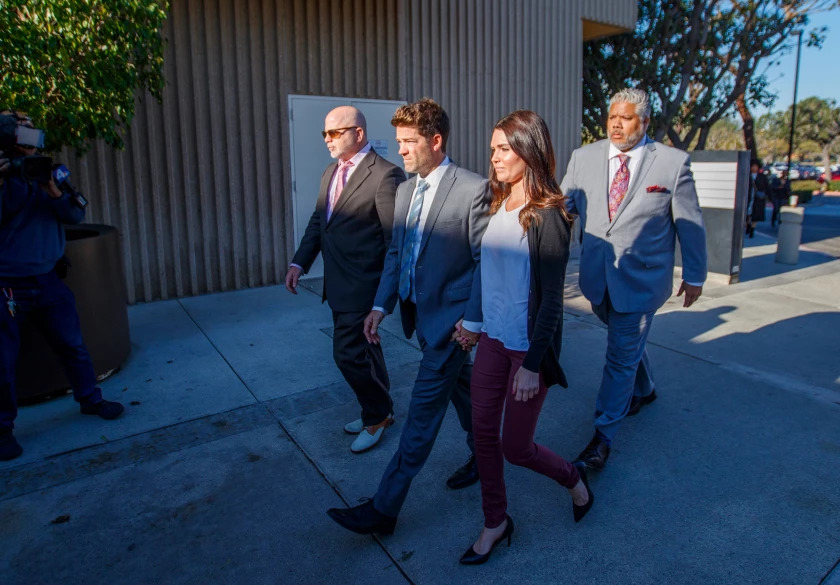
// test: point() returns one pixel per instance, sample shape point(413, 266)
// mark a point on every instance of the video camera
point(30, 168)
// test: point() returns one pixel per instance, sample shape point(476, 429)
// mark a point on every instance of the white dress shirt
point(433, 179)
point(636, 154)
point(355, 159)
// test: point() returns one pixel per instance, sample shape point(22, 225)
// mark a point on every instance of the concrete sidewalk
point(231, 450)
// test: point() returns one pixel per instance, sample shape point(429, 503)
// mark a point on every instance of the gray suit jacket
point(450, 252)
point(633, 256)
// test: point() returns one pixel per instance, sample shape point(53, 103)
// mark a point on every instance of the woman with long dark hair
point(524, 253)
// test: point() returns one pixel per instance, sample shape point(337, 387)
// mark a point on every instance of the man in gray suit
point(635, 197)
point(439, 218)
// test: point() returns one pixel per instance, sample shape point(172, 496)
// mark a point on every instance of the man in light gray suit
point(439, 218)
point(635, 197)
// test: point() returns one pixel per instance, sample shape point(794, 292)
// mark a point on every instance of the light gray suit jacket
point(450, 252)
point(633, 256)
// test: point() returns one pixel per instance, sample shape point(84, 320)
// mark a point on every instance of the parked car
point(808, 172)
point(776, 168)
point(835, 176)
point(779, 167)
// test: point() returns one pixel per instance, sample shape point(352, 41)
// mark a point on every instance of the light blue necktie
point(411, 227)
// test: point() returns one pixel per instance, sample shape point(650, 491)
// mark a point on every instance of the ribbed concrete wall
point(202, 192)
point(620, 13)
point(482, 59)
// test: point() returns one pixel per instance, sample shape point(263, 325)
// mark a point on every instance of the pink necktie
point(340, 181)
point(620, 182)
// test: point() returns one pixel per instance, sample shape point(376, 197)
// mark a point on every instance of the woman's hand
point(526, 384)
point(464, 337)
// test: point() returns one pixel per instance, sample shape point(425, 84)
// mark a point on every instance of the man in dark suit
point(351, 228)
point(440, 217)
point(779, 195)
point(759, 192)
point(635, 198)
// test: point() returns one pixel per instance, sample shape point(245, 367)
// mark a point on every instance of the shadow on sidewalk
point(759, 258)
point(758, 340)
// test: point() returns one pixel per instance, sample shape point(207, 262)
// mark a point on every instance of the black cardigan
point(548, 247)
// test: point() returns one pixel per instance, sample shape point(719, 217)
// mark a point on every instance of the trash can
point(97, 280)
point(790, 234)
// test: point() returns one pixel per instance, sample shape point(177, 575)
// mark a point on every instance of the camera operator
point(31, 244)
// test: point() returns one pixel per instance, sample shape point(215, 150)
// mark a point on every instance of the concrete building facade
point(201, 194)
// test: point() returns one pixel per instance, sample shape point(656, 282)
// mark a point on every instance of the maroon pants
point(492, 392)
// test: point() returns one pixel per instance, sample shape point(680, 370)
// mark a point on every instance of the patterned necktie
point(340, 181)
point(620, 182)
point(411, 226)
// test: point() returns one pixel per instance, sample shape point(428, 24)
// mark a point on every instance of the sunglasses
point(336, 132)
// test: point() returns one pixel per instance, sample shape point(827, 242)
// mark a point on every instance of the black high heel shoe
point(580, 511)
point(473, 558)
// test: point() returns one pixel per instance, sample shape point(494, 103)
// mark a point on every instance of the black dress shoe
point(363, 519)
point(103, 409)
point(637, 402)
point(473, 558)
point(595, 455)
point(464, 476)
point(580, 511)
point(9, 447)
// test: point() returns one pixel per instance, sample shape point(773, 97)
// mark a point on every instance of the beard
point(632, 140)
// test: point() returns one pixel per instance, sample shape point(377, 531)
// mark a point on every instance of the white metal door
point(309, 154)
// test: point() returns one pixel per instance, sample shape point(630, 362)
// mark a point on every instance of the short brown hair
point(427, 116)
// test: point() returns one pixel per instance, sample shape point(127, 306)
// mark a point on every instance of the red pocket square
point(657, 189)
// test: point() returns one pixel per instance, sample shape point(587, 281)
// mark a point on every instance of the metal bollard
point(790, 234)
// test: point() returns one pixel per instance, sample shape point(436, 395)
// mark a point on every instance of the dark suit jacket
point(450, 253)
point(548, 249)
point(762, 185)
point(548, 253)
point(354, 240)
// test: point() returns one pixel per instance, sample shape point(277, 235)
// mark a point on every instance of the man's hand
point(526, 385)
point(456, 333)
point(292, 277)
point(464, 337)
point(372, 322)
point(692, 293)
point(51, 189)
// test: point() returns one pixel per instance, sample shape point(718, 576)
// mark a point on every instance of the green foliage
point(816, 133)
point(725, 134)
point(804, 190)
point(75, 65)
point(817, 120)
point(772, 136)
point(696, 58)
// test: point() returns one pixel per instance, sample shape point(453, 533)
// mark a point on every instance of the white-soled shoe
point(355, 427)
point(370, 436)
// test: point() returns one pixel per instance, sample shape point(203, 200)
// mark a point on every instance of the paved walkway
point(231, 449)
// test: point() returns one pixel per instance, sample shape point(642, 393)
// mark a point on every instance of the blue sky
point(819, 69)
